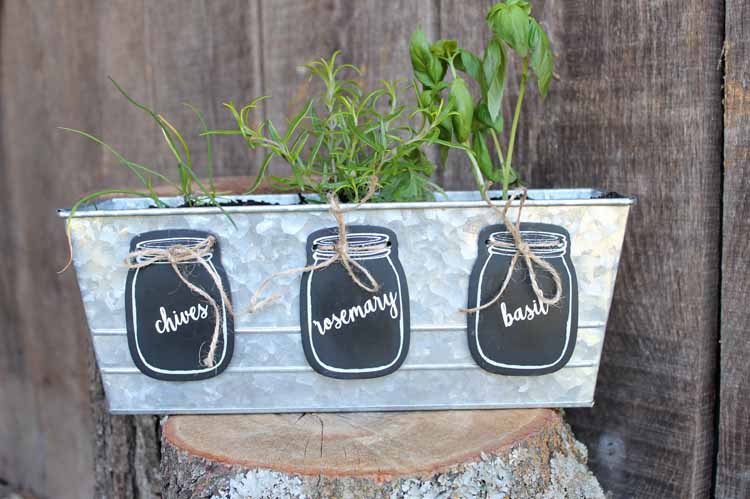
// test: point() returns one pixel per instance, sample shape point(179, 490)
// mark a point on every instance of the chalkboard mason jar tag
point(349, 332)
point(170, 326)
point(519, 335)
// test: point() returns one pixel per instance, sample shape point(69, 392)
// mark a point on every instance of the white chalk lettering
point(169, 324)
point(388, 301)
point(523, 313)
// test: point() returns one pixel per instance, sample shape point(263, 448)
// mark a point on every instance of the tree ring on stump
point(371, 454)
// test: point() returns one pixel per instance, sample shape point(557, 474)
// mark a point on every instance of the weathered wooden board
point(368, 34)
point(637, 111)
point(204, 53)
point(55, 58)
point(48, 74)
point(465, 21)
point(617, 119)
point(733, 466)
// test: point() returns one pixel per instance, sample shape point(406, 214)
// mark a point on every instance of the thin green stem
point(498, 148)
point(475, 169)
point(507, 167)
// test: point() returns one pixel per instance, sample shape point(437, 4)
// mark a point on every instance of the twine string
point(522, 251)
point(341, 253)
point(176, 255)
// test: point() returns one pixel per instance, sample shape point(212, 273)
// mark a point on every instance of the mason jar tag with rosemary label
point(518, 334)
point(172, 296)
point(349, 332)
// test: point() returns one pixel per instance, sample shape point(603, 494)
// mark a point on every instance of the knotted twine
point(180, 253)
point(522, 250)
point(340, 251)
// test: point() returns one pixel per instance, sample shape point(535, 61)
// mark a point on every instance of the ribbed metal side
point(437, 248)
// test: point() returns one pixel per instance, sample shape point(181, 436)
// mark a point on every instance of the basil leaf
point(521, 3)
point(462, 105)
point(510, 23)
point(427, 68)
point(445, 48)
point(495, 67)
point(482, 155)
point(542, 60)
point(482, 116)
point(446, 133)
point(471, 65)
point(437, 69)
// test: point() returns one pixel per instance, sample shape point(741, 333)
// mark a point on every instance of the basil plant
point(475, 121)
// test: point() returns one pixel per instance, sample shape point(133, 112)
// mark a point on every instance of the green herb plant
point(343, 137)
point(188, 185)
point(476, 121)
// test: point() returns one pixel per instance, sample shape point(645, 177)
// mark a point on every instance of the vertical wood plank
point(637, 111)
point(465, 21)
point(204, 53)
point(369, 35)
point(48, 75)
point(733, 465)
point(54, 61)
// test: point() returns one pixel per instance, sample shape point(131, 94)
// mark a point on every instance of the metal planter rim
point(290, 202)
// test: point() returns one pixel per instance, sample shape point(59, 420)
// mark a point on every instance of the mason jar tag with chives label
point(349, 332)
point(519, 335)
point(171, 327)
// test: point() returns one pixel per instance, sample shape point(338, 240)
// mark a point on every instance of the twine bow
point(340, 251)
point(180, 253)
point(522, 250)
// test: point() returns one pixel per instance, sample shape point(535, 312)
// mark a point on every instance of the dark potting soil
point(600, 195)
point(234, 202)
point(607, 195)
point(500, 198)
point(301, 199)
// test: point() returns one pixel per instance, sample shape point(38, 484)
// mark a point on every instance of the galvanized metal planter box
point(269, 372)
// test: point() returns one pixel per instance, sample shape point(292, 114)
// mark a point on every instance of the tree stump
point(446, 454)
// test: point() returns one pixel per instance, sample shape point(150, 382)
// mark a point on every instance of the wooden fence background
point(647, 103)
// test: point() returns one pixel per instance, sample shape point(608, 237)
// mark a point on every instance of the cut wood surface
point(522, 453)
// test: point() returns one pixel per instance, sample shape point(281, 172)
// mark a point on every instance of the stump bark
point(446, 454)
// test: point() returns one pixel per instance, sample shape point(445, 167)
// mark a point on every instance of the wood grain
point(126, 450)
point(616, 120)
point(733, 462)
point(49, 68)
point(637, 109)
point(54, 61)
point(205, 53)
point(637, 112)
point(296, 32)
point(465, 21)
point(376, 445)
point(525, 454)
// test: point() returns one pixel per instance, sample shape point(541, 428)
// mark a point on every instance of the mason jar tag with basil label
point(171, 326)
point(519, 335)
point(347, 331)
